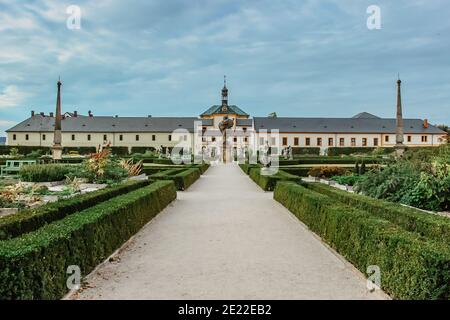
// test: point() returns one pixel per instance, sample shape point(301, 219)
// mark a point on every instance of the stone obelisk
point(399, 146)
point(57, 148)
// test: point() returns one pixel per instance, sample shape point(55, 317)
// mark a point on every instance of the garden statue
point(289, 153)
point(224, 125)
point(266, 155)
point(160, 151)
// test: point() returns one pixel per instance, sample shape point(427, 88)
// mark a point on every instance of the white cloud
point(11, 97)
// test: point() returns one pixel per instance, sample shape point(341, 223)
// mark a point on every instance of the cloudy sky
point(308, 58)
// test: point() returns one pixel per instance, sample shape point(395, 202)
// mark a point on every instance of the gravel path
point(225, 238)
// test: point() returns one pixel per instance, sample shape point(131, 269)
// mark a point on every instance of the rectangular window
point(341, 142)
point(234, 139)
point(364, 142)
point(137, 137)
point(424, 138)
point(73, 137)
point(213, 139)
point(319, 141)
point(245, 139)
point(296, 141)
point(121, 137)
point(386, 138)
point(409, 138)
point(105, 137)
point(170, 137)
point(307, 141)
point(89, 137)
point(353, 142)
point(284, 141)
point(153, 137)
point(14, 137)
point(330, 142)
point(272, 141)
point(375, 141)
point(27, 137)
point(44, 137)
point(261, 141)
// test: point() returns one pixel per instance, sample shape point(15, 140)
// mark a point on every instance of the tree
point(362, 170)
point(272, 115)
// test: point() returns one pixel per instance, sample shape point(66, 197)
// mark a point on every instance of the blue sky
point(309, 58)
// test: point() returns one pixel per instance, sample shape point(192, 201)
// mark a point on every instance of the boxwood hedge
point(183, 177)
point(34, 265)
point(429, 225)
point(268, 182)
point(411, 267)
point(32, 219)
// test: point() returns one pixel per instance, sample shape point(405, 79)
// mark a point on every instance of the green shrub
point(141, 150)
point(246, 167)
point(45, 172)
point(33, 219)
point(163, 161)
point(431, 226)
point(183, 177)
point(306, 151)
point(412, 268)
point(268, 182)
point(297, 171)
point(336, 151)
point(336, 160)
point(34, 266)
point(4, 150)
point(422, 182)
point(119, 151)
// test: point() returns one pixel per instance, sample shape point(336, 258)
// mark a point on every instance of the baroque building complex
point(202, 133)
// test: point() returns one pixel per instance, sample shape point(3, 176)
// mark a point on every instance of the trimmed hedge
point(32, 219)
point(80, 150)
point(336, 151)
point(268, 182)
point(141, 149)
point(45, 172)
point(246, 167)
point(119, 151)
point(183, 178)
point(411, 267)
point(300, 172)
point(338, 160)
point(24, 149)
point(431, 226)
point(163, 161)
point(34, 266)
point(305, 150)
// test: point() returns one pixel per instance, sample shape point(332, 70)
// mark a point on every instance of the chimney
point(149, 116)
point(42, 114)
point(32, 113)
point(51, 114)
point(425, 123)
point(75, 113)
point(117, 116)
point(90, 113)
